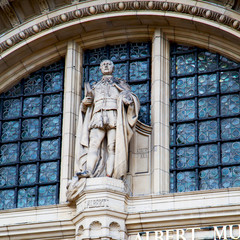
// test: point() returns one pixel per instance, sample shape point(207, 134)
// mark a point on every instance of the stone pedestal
point(100, 210)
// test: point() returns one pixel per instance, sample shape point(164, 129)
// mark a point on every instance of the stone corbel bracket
point(140, 6)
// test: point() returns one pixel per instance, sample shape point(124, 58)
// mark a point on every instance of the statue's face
point(107, 67)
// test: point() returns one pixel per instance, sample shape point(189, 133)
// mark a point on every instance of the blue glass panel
point(230, 128)
point(207, 84)
point(53, 82)
point(186, 157)
point(186, 181)
point(95, 74)
point(52, 104)
point(185, 87)
point(48, 172)
point(209, 179)
point(172, 111)
point(32, 84)
point(50, 149)
point(26, 197)
point(7, 199)
point(207, 131)
point(10, 131)
point(138, 71)
point(11, 108)
point(225, 63)
point(8, 176)
point(29, 151)
point(185, 110)
point(51, 126)
point(14, 91)
point(230, 104)
point(28, 174)
point(142, 92)
point(138, 50)
point(8, 153)
point(31, 106)
point(118, 52)
point(30, 128)
point(120, 71)
point(143, 114)
point(171, 182)
point(97, 55)
point(173, 89)
point(185, 64)
point(185, 133)
point(207, 107)
point(172, 130)
point(207, 61)
point(47, 195)
point(229, 81)
point(171, 158)
point(231, 152)
point(231, 177)
point(208, 155)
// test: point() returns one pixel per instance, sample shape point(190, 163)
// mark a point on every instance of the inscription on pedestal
point(96, 203)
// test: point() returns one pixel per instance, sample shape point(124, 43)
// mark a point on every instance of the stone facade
point(41, 32)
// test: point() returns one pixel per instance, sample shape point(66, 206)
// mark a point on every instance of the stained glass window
point(204, 120)
point(132, 63)
point(30, 139)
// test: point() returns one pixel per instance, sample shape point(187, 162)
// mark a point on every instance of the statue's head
point(107, 67)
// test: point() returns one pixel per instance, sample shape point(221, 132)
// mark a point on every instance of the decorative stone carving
point(107, 117)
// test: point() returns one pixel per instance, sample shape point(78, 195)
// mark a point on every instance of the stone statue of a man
point(108, 114)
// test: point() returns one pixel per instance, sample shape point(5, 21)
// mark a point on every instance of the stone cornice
point(221, 17)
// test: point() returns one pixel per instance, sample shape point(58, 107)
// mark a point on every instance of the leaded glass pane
point(30, 128)
point(11, 108)
point(48, 172)
point(207, 61)
point(138, 71)
point(172, 158)
point(32, 84)
point(231, 152)
point(231, 177)
point(139, 50)
point(185, 64)
point(118, 52)
point(94, 74)
point(14, 91)
point(172, 139)
point(207, 84)
point(209, 179)
point(172, 183)
point(142, 91)
point(52, 104)
point(8, 153)
point(207, 131)
point(47, 195)
point(208, 155)
point(120, 70)
point(185, 110)
point(97, 55)
point(172, 111)
point(26, 197)
point(53, 82)
point(186, 181)
point(185, 133)
point(186, 157)
point(31, 106)
point(8, 176)
point(185, 87)
point(7, 199)
point(50, 149)
point(51, 126)
point(207, 107)
point(230, 104)
point(181, 48)
point(142, 116)
point(227, 63)
point(230, 128)
point(229, 81)
point(29, 151)
point(28, 174)
point(10, 131)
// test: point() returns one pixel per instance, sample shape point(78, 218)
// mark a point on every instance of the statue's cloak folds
point(126, 119)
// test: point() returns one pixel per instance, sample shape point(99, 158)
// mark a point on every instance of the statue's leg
point(96, 137)
point(111, 136)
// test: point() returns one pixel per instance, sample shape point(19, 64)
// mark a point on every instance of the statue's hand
point(127, 98)
point(87, 101)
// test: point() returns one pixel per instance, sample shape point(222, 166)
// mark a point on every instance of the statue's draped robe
point(126, 119)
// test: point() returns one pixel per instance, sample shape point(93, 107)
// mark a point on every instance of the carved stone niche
point(100, 209)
